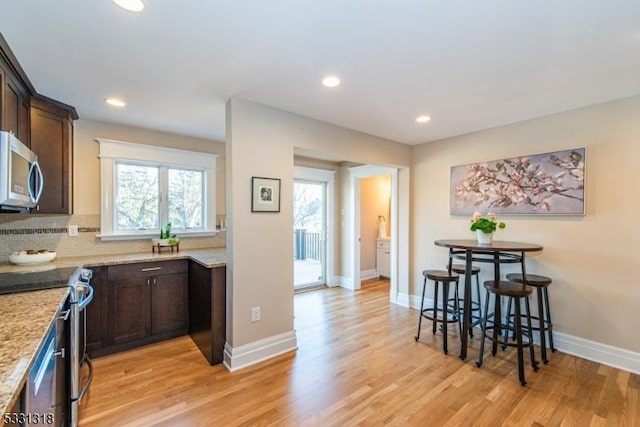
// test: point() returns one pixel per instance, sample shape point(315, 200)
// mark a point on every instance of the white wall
point(261, 142)
point(592, 259)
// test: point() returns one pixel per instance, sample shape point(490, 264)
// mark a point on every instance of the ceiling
point(469, 65)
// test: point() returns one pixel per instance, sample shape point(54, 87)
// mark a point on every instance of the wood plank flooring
point(357, 364)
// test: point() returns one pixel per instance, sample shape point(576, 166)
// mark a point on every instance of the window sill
point(135, 236)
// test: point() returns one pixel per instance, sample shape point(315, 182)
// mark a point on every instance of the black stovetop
point(35, 280)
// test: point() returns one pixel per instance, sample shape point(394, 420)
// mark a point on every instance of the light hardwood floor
point(357, 364)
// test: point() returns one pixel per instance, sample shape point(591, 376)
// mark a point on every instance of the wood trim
point(16, 68)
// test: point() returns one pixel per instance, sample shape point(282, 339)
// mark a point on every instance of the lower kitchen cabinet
point(96, 313)
point(207, 312)
point(137, 304)
point(141, 303)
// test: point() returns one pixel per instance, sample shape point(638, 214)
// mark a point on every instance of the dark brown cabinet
point(15, 96)
point(141, 303)
point(207, 310)
point(52, 141)
point(44, 125)
point(137, 304)
point(16, 108)
point(96, 313)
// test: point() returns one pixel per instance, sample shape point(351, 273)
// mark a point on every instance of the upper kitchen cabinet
point(15, 95)
point(44, 125)
point(52, 141)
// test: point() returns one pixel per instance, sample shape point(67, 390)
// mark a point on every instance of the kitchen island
point(28, 316)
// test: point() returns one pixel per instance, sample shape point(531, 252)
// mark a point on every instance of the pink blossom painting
point(549, 183)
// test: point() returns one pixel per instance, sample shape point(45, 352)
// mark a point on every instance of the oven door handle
point(82, 304)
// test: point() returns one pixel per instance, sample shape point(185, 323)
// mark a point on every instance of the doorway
point(309, 233)
point(313, 227)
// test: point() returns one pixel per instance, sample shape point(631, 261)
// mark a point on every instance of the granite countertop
point(213, 257)
point(21, 336)
point(27, 316)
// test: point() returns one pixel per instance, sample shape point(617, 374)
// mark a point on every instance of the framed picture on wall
point(265, 194)
point(547, 183)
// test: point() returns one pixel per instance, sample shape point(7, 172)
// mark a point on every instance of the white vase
point(484, 238)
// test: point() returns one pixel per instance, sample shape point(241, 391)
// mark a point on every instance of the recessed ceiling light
point(331, 81)
point(115, 102)
point(423, 119)
point(130, 5)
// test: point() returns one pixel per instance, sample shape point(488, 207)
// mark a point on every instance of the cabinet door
point(169, 303)
point(128, 307)
point(384, 262)
point(97, 312)
point(51, 139)
point(12, 102)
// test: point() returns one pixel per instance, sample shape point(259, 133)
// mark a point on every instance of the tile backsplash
point(21, 232)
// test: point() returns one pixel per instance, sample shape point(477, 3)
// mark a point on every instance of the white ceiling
point(470, 65)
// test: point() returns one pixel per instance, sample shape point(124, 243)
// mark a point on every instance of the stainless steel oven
point(53, 390)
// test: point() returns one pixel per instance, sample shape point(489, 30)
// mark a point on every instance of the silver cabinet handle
point(59, 353)
point(152, 269)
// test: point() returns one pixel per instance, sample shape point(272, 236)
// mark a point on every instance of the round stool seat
point(532, 279)
point(462, 269)
point(440, 275)
point(507, 288)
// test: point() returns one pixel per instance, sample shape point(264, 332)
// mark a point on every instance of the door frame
point(328, 178)
point(356, 174)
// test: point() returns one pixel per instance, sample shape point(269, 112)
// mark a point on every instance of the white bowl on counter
point(24, 258)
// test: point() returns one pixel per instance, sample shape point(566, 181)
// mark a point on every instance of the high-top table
point(497, 252)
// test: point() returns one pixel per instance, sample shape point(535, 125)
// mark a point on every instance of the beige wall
point(375, 193)
point(261, 142)
point(592, 258)
point(52, 233)
point(86, 165)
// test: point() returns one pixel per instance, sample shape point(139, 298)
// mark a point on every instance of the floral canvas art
point(549, 183)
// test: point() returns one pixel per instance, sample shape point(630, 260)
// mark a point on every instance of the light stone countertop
point(214, 257)
point(26, 317)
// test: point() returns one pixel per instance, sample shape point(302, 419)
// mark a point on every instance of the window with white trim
point(145, 187)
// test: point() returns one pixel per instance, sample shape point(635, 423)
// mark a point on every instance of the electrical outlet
point(73, 230)
point(255, 314)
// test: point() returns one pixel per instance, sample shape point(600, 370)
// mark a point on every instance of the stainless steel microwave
point(21, 180)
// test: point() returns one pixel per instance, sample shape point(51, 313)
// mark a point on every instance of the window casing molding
point(112, 151)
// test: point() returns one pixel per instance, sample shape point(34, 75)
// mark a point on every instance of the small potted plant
point(484, 226)
point(166, 239)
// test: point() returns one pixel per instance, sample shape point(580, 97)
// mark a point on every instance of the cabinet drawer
point(383, 244)
point(147, 269)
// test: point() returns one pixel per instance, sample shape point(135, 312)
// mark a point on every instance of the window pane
point(185, 198)
point(137, 197)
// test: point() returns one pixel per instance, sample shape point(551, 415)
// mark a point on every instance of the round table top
point(495, 246)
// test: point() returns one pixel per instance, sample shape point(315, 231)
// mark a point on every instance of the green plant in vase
point(166, 233)
point(487, 224)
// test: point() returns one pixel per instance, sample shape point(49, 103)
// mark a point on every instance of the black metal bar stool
point(475, 314)
point(543, 319)
point(443, 315)
point(517, 292)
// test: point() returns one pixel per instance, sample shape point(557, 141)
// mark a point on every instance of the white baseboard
point(586, 349)
point(598, 352)
point(369, 274)
point(345, 282)
point(249, 354)
point(401, 299)
point(335, 281)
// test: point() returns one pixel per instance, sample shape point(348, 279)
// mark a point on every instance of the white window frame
point(113, 151)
